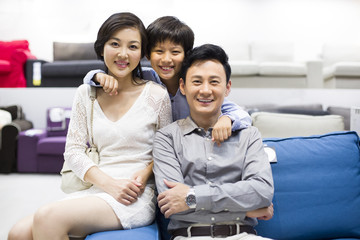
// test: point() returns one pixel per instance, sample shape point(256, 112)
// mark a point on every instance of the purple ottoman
point(50, 152)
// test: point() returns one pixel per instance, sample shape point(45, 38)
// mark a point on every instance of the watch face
point(190, 199)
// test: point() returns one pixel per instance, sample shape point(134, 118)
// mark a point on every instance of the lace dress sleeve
point(164, 110)
point(77, 136)
point(165, 114)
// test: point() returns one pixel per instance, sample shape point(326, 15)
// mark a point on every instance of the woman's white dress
point(124, 146)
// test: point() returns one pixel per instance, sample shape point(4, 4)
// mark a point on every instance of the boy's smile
point(166, 59)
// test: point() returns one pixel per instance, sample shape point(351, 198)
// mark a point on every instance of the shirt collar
point(188, 126)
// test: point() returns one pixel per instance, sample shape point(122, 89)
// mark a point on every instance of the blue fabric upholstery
point(317, 188)
point(150, 232)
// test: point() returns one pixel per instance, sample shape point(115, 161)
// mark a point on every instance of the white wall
point(308, 23)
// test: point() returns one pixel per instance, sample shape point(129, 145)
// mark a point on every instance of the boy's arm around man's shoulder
point(239, 117)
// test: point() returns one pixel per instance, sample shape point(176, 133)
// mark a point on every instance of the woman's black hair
point(116, 22)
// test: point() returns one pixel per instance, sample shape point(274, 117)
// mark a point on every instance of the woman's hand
point(109, 83)
point(142, 176)
point(125, 191)
point(221, 130)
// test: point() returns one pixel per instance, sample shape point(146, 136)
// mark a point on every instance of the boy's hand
point(221, 130)
point(265, 213)
point(109, 83)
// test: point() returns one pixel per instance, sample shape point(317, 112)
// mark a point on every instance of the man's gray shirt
point(228, 180)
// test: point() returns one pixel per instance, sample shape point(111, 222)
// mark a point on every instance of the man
point(209, 190)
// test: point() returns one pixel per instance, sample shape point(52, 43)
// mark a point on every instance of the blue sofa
point(317, 191)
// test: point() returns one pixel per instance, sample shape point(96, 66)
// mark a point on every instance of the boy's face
point(166, 59)
point(205, 88)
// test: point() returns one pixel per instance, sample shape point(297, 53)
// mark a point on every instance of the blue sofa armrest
point(317, 188)
point(150, 232)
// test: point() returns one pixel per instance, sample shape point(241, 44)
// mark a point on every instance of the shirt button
point(209, 158)
point(212, 219)
point(199, 129)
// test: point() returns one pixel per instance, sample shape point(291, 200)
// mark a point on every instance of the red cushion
point(4, 66)
point(7, 48)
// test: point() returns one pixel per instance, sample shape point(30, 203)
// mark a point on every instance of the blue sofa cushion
point(150, 232)
point(317, 188)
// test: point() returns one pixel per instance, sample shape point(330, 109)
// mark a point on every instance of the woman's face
point(122, 52)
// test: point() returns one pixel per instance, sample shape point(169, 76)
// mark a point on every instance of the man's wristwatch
point(191, 199)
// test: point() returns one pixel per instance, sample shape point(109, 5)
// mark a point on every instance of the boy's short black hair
point(206, 52)
point(169, 28)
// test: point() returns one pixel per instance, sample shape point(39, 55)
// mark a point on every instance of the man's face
point(166, 59)
point(205, 88)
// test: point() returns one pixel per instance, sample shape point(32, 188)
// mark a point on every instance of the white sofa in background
point(341, 65)
point(272, 65)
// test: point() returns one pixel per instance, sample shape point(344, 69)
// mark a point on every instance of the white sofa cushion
point(244, 68)
point(272, 51)
point(291, 125)
point(282, 69)
point(347, 69)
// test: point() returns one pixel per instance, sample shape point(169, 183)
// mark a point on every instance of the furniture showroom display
point(13, 56)
point(9, 137)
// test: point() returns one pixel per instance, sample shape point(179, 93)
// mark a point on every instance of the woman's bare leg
point(22, 229)
point(75, 217)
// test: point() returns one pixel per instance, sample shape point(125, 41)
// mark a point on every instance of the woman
point(123, 131)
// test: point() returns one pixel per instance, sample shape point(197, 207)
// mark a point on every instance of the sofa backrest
point(290, 125)
point(332, 53)
point(73, 51)
point(272, 51)
point(240, 53)
point(7, 48)
point(57, 119)
point(317, 188)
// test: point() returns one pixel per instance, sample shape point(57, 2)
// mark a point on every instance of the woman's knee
point(45, 216)
point(21, 230)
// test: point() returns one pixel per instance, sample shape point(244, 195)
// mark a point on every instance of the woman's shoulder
point(156, 89)
point(83, 89)
point(83, 92)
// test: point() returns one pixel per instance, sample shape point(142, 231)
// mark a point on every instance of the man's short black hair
point(206, 52)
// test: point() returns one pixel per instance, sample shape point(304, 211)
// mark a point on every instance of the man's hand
point(221, 130)
point(109, 83)
point(265, 213)
point(173, 200)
